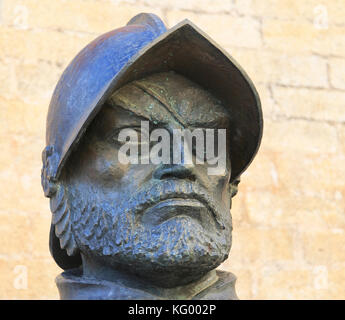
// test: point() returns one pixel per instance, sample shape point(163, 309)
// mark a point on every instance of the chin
point(173, 253)
point(169, 270)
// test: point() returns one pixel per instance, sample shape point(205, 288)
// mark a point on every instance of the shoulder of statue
point(223, 289)
point(72, 285)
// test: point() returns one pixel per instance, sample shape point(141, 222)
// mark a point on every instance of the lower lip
point(173, 208)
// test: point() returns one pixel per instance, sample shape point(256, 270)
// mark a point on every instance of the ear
point(234, 187)
point(50, 161)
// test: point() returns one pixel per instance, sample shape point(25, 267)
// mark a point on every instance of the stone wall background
point(289, 217)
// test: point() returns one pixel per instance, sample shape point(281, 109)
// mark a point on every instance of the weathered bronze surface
point(145, 231)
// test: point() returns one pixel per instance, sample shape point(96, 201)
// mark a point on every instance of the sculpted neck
point(94, 270)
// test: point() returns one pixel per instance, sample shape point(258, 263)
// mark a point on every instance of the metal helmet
point(142, 47)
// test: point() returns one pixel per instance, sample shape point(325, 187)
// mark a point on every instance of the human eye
point(123, 135)
point(208, 149)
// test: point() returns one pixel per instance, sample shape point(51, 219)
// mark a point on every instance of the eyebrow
point(140, 116)
point(222, 119)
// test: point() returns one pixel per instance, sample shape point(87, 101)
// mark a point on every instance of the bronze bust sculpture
point(146, 229)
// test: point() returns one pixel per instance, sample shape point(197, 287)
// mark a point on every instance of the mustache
point(151, 194)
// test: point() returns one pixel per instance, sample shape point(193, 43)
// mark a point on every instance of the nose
point(174, 171)
point(181, 169)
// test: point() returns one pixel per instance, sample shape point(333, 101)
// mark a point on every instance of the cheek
point(105, 167)
point(221, 188)
point(222, 181)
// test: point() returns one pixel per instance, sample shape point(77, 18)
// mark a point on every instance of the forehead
point(167, 98)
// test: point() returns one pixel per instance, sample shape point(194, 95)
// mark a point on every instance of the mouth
point(178, 207)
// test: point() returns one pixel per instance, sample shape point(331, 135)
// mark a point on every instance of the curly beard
point(178, 250)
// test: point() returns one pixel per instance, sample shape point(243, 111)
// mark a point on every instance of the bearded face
point(166, 223)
